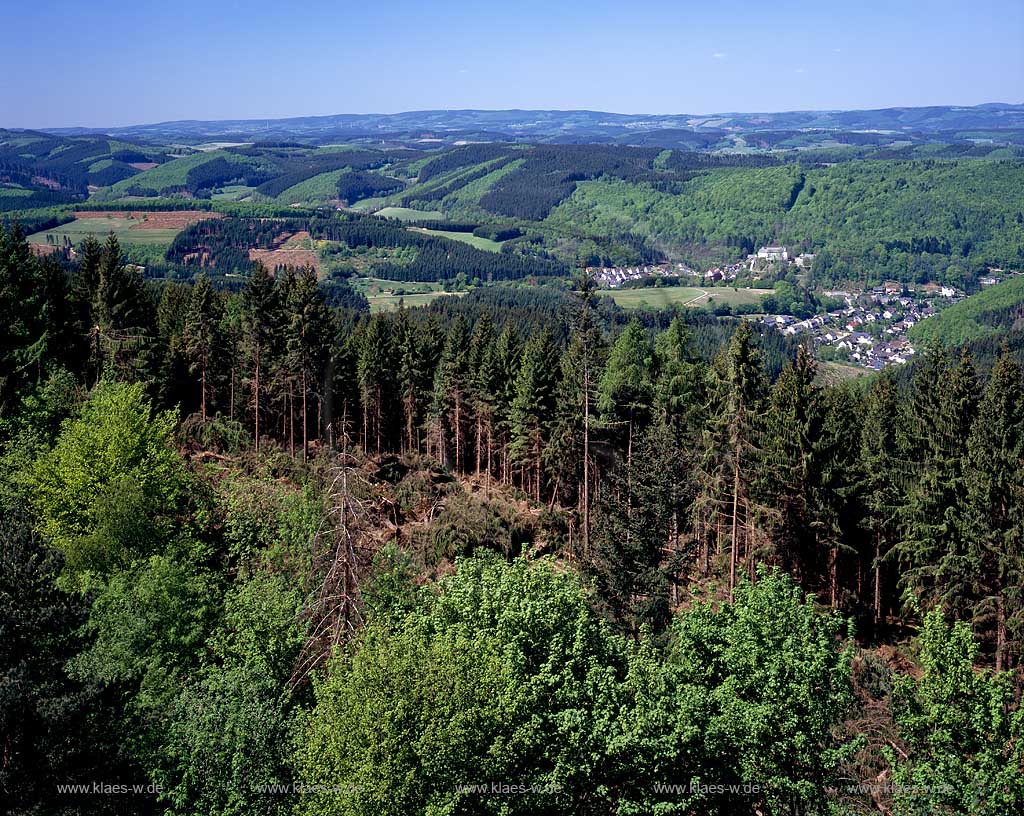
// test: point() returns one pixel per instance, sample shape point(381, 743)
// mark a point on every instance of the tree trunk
point(458, 433)
point(377, 415)
point(291, 419)
point(202, 405)
point(878, 579)
point(479, 441)
point(305, 424)
point(586, 463)
point(1000, 630)
point(735, 512)
point(833, 574)
point(256, 393)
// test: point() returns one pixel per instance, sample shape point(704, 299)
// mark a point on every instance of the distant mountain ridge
point(571, 124)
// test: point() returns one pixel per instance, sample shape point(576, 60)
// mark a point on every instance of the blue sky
point(104, 63)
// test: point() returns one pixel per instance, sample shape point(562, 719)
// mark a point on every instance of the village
point(869, 330)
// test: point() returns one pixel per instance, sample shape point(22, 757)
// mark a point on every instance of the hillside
point(992, 312)
point(582, 125)
point(941, 215)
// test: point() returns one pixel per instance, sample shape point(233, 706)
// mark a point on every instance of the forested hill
point(540, 125)
point(868, 210)
point(264, 557)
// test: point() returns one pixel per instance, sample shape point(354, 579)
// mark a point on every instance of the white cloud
point(719, 55)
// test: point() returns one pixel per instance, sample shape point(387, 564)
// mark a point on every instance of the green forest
point(868, 208)
point(515, 552)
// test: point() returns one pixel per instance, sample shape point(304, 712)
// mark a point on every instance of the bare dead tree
point(341, 558)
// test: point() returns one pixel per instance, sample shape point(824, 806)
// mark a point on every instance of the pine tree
point(451, 388)
point(679, 402)
point(931, 547)
point(19, 320)
point(121, 312)
point(626, 389)
point(411, 376)
point(793, 427)
point(728, 465)
point(879, 486)
point(310, 327)
point(533, 410)
point(504, 369)
point(374, 370)
point(995, 508)
point(202, 336)
point(480, 397)
point(261, 320)
point(633, 513)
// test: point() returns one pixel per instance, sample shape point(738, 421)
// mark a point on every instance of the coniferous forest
point(264, 552)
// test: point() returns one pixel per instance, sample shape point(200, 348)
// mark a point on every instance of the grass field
point(466, 238)
point(664, 297)
point(233, 192)
point(101, 227)
point(833, 373)
point(385, 303)
point(372, 287)
point(406, 214)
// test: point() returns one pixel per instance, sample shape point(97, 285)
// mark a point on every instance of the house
point(773, 253)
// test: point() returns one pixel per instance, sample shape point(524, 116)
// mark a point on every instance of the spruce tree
point(309, 331)
point(879, 487)
point(374, 369)
point(451, 388)
point(261, 321)
point(932, 546)
point(731, 449)
point(533, 409)
point(202, 336)
point(995, 508)
point(626, 389)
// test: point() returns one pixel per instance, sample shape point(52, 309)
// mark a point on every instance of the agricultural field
point(466, 238)
point(665, 297)
point(408, 214)
point(233, 192)
point(385, 295)
point(147, 229)
point(386, 303)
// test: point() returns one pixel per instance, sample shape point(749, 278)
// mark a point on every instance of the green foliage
point(506, 676)
point(147, 623)
point(105, 491)
point(55, 729)
point(965, 745)
point(748, 695)
point(982, 314)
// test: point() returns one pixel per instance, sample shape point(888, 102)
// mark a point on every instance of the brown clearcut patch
point(163, 219)
point(298, 258)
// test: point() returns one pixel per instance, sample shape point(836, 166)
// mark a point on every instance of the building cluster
point(871, 330)
point(614, 277)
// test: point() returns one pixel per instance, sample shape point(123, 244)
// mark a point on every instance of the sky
point(107, 63)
